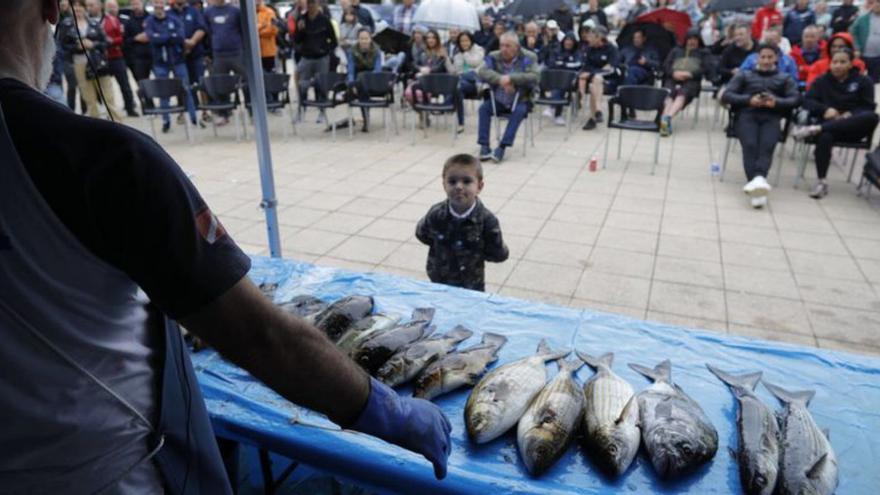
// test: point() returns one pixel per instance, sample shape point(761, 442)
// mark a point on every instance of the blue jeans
point(516, 117)
point(873, 66)
point(467, 88)
point(179, 70)
point(195, 70)
point(637, 75)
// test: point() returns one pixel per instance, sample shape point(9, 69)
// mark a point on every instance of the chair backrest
point(377, 83)
point(439, 84)
point(557, 80)
point(642, 97)
point(327, 81)
point(162, 88)
point(276, 83)
point(221, 85)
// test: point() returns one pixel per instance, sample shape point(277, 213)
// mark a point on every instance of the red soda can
point(594, 163)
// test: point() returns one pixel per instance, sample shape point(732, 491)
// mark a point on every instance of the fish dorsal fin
point(459, 333)
point(816, 470)
point(802, 397)
point(631, 408)
point(548, 354)
point(570, 365)
point(660, 373)
point(594, 362)
point(495, 340)
point(423, 314)
point(745, 382)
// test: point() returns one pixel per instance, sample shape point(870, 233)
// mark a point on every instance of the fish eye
point(612, 449)
point(686, 448)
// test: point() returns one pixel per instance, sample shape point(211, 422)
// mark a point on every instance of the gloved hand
point(414, 424)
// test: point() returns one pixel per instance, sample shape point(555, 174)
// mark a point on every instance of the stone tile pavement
point(678, 247)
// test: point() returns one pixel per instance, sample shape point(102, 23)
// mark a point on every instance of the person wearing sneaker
point(842, 101)
point(760, 98)
point(166, 35)
point(566, 57)
point(512, 73)
point(467, 59)
point(600, 56)
point(684, 68)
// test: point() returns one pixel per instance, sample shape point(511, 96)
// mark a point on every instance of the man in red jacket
point(765, 17)
point(808, 52)
point(115, 60)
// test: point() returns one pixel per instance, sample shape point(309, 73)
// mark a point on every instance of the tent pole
point(256, 86)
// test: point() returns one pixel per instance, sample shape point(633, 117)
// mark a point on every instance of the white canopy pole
point(257, 87)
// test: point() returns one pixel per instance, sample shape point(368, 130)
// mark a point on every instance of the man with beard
point(101, 236)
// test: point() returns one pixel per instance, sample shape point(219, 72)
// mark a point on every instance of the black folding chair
point(379, 88)
point(553, 80)
point(730, 132)
point(645, 98)
point(222, 91)
point(277, 87)
point(440, 92)
point(330, 92)
point(851, 146)
point(150, 89)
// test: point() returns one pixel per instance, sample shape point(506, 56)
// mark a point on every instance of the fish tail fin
point(570, 365)
point(594, 362)
point(423, 314)
point(495, 340)
point(459, 333)
point(790, 396)
point(549, 354)
point(747, 381)
point(660, 373)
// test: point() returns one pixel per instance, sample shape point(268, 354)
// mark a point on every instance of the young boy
point(462, 233)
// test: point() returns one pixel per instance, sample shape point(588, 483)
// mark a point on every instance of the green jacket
point(860, 30)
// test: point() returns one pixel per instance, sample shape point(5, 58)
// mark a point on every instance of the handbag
point(98, 64)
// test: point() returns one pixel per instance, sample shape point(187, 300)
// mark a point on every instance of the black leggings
point(758, 132)
point(850, 129)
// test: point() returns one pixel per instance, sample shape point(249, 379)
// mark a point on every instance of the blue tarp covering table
point(847, 393)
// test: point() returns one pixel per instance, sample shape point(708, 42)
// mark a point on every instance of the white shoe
point(548, 112)
point(560, 121)
point(759, 201)
point(757, 187)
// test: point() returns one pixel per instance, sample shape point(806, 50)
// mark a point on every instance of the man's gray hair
point(509, 36)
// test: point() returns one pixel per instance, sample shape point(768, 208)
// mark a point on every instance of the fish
point(407, 363)
point(365, 328)
point(501, 397)
point(458, 369)
point(304, 306)
point(807, 461)
point(335, 319)
point(611, 417)
point(758, 434)
point(547, 427)
point(268, 289)
point(375, 351)
point(675, 431)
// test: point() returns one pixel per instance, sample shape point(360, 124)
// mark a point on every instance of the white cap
point(552, 24)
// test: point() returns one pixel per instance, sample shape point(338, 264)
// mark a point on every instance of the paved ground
point(677, 247)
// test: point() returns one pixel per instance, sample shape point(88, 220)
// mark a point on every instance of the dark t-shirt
point(125, 200)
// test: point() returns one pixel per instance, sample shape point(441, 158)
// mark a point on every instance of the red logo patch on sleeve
point(209, 226)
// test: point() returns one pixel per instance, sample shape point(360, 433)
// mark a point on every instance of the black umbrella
point(391, 40)
point(726, 5)
point(657, 37)
point(528, 9)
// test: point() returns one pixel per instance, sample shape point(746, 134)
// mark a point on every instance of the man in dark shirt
point(316, 40)
point(364, 17)
point(195, 30)
point(109, 198)
point(599, 61)
point(735, 54)
point(641, 60)
point(844, 16)
point(227, 45)
point(136, 45)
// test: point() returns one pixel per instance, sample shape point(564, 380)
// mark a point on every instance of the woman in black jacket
point(683, 72)
point(760, 99)
point(842, 101)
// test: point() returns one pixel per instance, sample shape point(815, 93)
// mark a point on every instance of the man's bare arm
point(292, 357)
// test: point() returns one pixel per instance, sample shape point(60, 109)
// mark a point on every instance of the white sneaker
point(548, 112)
point(560, 121)
point(759, 202)
point(757, 187)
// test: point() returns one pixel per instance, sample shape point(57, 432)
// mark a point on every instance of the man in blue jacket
point(796, 20)
point(166, 36)
point(194, 31)
point(224, 24)
point(786, 64)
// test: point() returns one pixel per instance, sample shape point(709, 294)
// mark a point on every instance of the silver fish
point(807, 461)
point(758, 432)
point(365, 328)
point(676, 432)
point(409, 362)
point(498, 401)
point(611, 417)
point(304, 306)
point(375, 351)
point(336, 318)
point(547, 427)
point(458, 369)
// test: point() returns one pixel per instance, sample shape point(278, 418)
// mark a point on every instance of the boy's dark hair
point(767, 46)
point(464, 160)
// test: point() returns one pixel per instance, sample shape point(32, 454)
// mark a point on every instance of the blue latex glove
point(414, 424)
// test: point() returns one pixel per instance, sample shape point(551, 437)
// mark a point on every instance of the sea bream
point(304, 306)
point(365, 328)
point(458, 369)
point(336, 318)
point(807, 463)
point(758, 434)
point(498, 401)
point(611, 417)
point(675, 431)
point(407, 363)
point(547, 427)
point(375, 351)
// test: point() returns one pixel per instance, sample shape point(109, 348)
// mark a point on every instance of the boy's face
point(462, 186)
